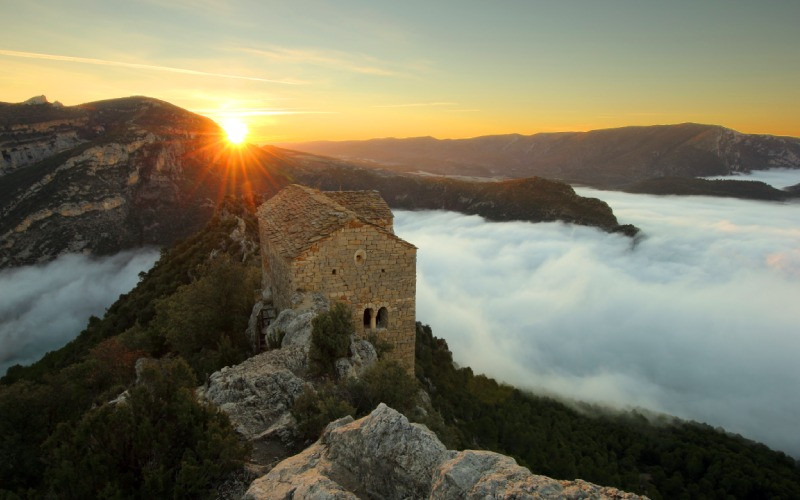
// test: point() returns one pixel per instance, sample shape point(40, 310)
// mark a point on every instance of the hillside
point(748, 190)
point(122, 173)
point(94, 416)
point(608, 158)
point(110, 175)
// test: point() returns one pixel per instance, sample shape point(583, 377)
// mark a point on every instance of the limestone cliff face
point(105, 176)
point(384, 456)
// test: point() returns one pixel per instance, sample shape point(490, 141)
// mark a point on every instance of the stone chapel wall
point(367, 269)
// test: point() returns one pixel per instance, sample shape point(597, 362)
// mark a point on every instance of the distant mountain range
point(123, 173)
point(609, 158)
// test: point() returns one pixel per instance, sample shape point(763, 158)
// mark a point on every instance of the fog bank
point(698, 320)
point(43, 307)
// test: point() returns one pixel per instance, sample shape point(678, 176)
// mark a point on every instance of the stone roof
point(367, 204)
point(298, 217)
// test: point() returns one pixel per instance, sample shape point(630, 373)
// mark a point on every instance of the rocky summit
point(385, 456)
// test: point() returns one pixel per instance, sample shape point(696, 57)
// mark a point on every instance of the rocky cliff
point(385, 456)
point(608, 158)
point(110, 175)
point(107, 175)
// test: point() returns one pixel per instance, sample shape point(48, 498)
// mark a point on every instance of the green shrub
point(159, 443)
point(384, 382)
point(330, 339)
point(381, 346)
point(205, 321)
point(313, 410)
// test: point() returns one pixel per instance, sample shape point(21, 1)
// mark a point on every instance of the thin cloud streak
point(699, 320)
point(105, 62)
point(416, 105)
point(331, 59)
point(260, 112)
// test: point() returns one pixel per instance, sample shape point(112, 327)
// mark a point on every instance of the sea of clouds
point(45, 306)
point(699, 318)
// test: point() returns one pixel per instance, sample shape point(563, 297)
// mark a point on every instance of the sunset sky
point(345, 69)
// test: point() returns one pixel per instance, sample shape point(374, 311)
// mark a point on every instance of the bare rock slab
point(385, 456)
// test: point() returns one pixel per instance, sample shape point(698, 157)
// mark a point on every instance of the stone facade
point(341, 244)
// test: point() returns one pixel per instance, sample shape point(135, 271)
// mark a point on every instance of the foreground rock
point(384, 456)
point(258, 394)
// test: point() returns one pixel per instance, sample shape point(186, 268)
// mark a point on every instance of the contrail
point(104, 62)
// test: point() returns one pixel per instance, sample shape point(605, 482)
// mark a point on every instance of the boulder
point(362, 356)
point(296, 323)
point(259, 392)
point(383, 455)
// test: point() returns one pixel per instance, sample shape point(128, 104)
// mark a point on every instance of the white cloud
point(148, 67)
point(46, 306)
point(698, 320)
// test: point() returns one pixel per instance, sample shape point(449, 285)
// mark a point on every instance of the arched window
point(368, 317)
point(383, 318)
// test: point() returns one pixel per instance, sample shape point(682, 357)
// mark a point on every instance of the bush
point(330, 339)
point(381, 346)
point(313, 410)
point(159, 443)
point(384, 382)
point(205, 321)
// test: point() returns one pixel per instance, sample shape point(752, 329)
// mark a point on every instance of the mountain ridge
point(608, 158)
point(122, 173)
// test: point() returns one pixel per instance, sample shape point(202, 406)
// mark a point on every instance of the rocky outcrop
point(39, 99)
point(384, 456)
point(259, 392)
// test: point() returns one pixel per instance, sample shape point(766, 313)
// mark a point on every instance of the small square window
point(333, 271)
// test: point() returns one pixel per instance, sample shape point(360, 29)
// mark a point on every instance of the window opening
point(383, 318)
point(368, 318)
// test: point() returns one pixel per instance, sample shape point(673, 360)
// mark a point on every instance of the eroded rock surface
point(385, 456)
point(260, 391)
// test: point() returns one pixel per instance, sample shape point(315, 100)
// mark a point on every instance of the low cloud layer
point(698, 320)
point(44, 307)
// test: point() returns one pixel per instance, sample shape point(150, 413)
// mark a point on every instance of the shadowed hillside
point(608, 158)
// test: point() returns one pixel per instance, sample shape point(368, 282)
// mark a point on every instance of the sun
point(236, 130)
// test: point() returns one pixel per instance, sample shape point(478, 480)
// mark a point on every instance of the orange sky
point(312, 70)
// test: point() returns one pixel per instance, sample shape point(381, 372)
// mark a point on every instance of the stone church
point(342, 244)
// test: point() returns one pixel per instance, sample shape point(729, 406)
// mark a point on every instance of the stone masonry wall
point(365, 268)
point(276, 273)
